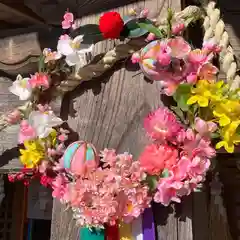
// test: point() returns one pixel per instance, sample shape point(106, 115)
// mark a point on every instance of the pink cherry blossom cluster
point(178, 158)
point(112, 192)
point(68, 20)
point(172, 61)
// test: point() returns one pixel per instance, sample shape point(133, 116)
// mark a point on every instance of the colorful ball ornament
point(80, 157)
point(148, 59)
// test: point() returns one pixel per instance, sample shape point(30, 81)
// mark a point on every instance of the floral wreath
point(104, 187)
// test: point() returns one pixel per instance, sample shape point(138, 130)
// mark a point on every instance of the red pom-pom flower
point(111, 25)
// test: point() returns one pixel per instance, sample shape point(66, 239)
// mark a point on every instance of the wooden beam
point(18, 12)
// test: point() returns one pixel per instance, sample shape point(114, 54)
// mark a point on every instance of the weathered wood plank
point(21, 48)
point(8, 137)
point(16, 12)
point(109, 113)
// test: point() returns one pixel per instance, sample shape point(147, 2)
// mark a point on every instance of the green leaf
point(165, 173)
point(215, 135)
point(41, 63)
point(91, 33)
point(178, 112)
point(182, 102)
point(181, 96)
point(152, 182)
point(151, 28)
point(131, 28)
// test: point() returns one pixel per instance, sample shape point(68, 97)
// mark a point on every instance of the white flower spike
point(43, 122)
point(74, 50)
point(21, 88)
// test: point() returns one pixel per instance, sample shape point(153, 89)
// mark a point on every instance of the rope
point(215, 28)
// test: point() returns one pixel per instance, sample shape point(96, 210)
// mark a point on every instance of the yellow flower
point(204, 92)
point(33, 153)
point(227, 111)
point(229, 137)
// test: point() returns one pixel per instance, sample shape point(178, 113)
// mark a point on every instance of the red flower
point(111, 25)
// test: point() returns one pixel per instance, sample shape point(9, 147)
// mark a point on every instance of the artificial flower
point(178, 28)
point(196, 145)
point(155, 158)
point(208, 72)
point(204, 128)
point(39, 80)
point(168, 191)
point(162, 124)
point(21, 87)
point(111, 24)
point(211, 46)
point(68, 19)
point(179, 47)
point(204, 92)
point(13, 117)
point(150, 37)
point(26, 133)
point(74, 50)
point(229, 136)
point(33, 153)
point(197, 56)
point(50, 55)
point(227, 111)
point(43, 122)
point(135, 57)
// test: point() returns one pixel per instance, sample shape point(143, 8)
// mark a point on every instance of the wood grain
point(21, 48)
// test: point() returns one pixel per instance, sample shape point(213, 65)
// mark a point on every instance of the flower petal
point(64, 47)
point(192, 100)
point(72, 59)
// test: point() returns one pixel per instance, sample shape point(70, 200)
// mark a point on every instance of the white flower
point(21, 88)
point(74, 50)
point(43, 122)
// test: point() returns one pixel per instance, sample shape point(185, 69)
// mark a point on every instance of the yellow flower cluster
point(36, 150)
point(223, 105)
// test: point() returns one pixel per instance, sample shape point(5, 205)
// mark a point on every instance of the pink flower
point(26, 132)
point(39, 80)
point(197, 56)
point(60, 187)
point(196, 145)
point(192, 78)
point(204, 128)
point(45, 180)
point(144, 13)
point(167, 191)
point(62, 137)
point(157, 157)
point(207, 72)
point(64, 37)
point(150, 37)
point(135, 57)
point(68, 20)
point(178, 28)
point(43, 166)
point(198, 167)
point(211, 46)
point(162, 124)
point(13, 117)
point(164, 59)
point(68, 16)
point(179, 47)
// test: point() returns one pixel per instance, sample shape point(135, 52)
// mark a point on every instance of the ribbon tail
point(112, 232)
point(91, 234)
point(148, 225)
point(125, 231)
point(137, 231)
